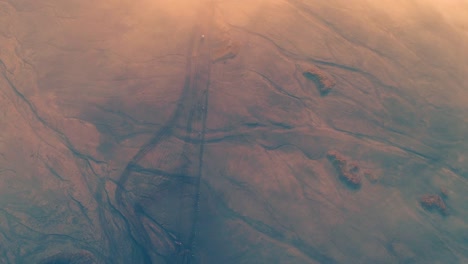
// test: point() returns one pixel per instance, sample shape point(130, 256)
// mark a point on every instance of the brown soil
point(370, 176)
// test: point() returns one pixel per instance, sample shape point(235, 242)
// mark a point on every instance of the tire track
point(191, 113)
point(196, 128)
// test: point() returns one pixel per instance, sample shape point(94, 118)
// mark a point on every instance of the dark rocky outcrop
point(322, 80)
point(433, 202)
point(346, 172)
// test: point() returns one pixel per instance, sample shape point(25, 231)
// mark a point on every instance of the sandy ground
point(288, 131)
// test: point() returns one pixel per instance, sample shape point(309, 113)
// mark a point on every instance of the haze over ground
point(294, 131)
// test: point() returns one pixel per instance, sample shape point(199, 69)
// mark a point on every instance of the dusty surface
point(127, 137)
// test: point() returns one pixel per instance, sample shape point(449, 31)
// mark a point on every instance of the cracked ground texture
point(128, 137)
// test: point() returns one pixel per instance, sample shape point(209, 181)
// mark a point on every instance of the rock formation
point(433, 202)
point(322, 80)
point(346, 172)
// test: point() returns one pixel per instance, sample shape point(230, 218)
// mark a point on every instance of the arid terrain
point(235, 131)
